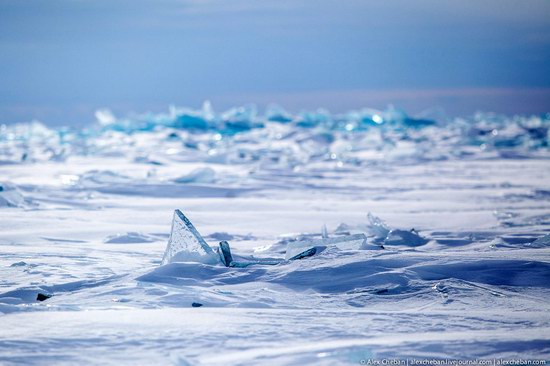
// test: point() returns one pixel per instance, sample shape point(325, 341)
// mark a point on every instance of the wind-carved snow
point(186, 244)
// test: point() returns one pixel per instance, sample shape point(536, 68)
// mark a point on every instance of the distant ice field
point(86, 216)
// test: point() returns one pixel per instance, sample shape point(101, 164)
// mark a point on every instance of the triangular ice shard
point(186, 244)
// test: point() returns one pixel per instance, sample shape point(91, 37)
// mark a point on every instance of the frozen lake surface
point(86, 217)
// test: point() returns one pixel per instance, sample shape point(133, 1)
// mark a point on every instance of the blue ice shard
point(186, 244)
point(185, 118)
point(276, 113)
point(348, 242)
point(241, 119)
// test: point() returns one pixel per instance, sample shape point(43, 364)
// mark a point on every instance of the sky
point(60, 60)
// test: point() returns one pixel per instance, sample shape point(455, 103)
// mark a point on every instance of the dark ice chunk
point(42, 297)
point(225, 253)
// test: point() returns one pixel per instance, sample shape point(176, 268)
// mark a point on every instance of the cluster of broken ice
point(382, 234)
point(305, 248)
point(279, 138)
point(187, 245)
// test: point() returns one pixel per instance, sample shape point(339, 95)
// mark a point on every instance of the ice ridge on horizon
point(242, 135)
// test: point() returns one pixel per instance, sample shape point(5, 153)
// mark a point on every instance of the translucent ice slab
point(348, 242)
point(240, 261)
point(186, 244)
point(377, 227)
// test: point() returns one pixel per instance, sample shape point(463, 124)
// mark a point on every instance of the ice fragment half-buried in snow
point(377, 227)
point(225, 253)
point(348, 242)
point(186, 244)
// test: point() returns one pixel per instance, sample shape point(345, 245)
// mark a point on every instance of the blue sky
point(62, 59)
